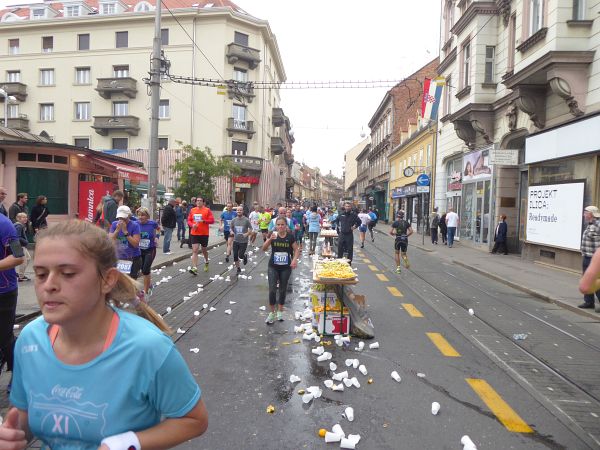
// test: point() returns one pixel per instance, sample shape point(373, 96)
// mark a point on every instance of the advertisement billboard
point(554, 214)
point(90, 194)
point(476, 166)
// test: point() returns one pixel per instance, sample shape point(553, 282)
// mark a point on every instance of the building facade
point(78, 71)
point(351, 170)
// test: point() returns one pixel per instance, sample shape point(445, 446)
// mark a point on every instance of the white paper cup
point(328, 383)
point(340, 376)
point(362, 369)
point(374, 345)
point(349, 362)
point(323, 357)
point(354, 438)
point(338, 387)
point(355, 363)
point(396, 376)
point(318, 351)
point(337, 428)
point(347, 443)
point(355, 382)
point(435, 408)
point(294, 378)
point(347, 382)
point(332, 366)
point(332, 437)
point(349, 411)
point(307, 398)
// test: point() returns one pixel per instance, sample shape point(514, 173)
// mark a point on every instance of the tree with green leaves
point(197, 172)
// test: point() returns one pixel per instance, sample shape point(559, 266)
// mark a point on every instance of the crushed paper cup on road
point(355, 438)
point(307, 398)
point(318, 351)
point(180, 331)
point(317, 338)
point(396, 376)
point(308, 336)
point(324, 357)
point(471, 312)
point(298, 329)
point(333, 437)
point(355, 382)
point(355, 363)
point(332, 366)
point(205, 306)
point(212, 308)
point(194, 350)
point(196, 313)
point(316, 391)
point(349, 362)
point(337, 429)
point(361, 345)
point(231, 302)
point(328, 383)
point(347, 382)
point(374, 345)
point(349, 413)
point(186, 298)
point(297, 315)
point(338, 387)
point(347, 443)
point(294, 378)
point(340, 376)
point(435, 408)
point(168, 309)
point(227, 311)
point(262, 308)
point(362, 369)
point(467, 443)
point(421, 375)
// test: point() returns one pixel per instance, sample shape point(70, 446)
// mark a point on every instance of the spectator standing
point(443, 228)
point(590, 242)
point(434, 222)
point(3, 210)
point(180, 214)
point(110, 204)
point(20, 206)
point(39, 213)
point(348, 221)
point(452, 221)
point(21, 229)
point(168, 222)
point(500, 236)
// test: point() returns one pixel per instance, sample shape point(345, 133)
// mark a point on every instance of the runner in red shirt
point(199, 219)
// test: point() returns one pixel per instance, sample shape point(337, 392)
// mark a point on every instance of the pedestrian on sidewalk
point(348, 222)
point(20, 206)
point(110, 204)
point(241, 229)
point(364, 225)
point(21, 229)
point(590, 242)
point(401, 229)
point(181, 215)
point(126, 233)
point(39, 214)
point(452, 221)
point(226, 217)
point(168, 221)
point(500, 236)
point(199, 219)
point(284, 258)
point(149, 235)
point(85, 338)
point(434, 223)
point(443, 229)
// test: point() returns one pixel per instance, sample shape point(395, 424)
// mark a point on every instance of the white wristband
point(123, 441)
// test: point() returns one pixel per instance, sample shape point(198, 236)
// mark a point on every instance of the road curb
point(179, 258)
point(535, 293)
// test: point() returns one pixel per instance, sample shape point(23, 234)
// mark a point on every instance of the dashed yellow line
point(381, 277)
point(509, 418)
point(373, 268)
point(366, 260)
point(394, 291)
point(412, 310)
point(443, 345)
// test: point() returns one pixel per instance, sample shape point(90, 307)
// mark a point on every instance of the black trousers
point(434, 235)
point(500, 246)
point(8, 310)
point(281, 275)
point(346, 243)
point(239, 250)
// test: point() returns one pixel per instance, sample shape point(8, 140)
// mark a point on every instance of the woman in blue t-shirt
point(64, 360)
point(149, 233)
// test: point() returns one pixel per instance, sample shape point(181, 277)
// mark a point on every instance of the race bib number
point(227, 223)
point(124, 266)
point(197, 217)
point(239, 230)
point(280, 258)
point(144, 244)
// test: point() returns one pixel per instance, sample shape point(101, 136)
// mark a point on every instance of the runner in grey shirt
point(240, 228)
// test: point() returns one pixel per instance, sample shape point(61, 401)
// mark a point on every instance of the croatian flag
point(432, 93)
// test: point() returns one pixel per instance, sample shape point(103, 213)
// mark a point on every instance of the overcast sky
point(344, 40)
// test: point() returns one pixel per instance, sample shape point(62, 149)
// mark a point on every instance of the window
point(163, 143)
point(82, 75)
point(27, 156)
point(240, 38)
point(108, 8)
point(12, 111)
point(13, 76)
point(120, 143)
point(71, 11)
point(82, 110)
point(60, 159)
point(448, 96)
point(13, 46)
point(536, 15)
point(512, 36)
point(164, 110)
point(239, 149)
point(122, 39)
point(38, 13)
point(578, 9)
point(120, 108)
point(466, 65)
point(47, 44)
point(46, 77)
point(143, 7)
point(428, 162)
point(490, 54)
point(449, 18)
point(164, 36)
point(42, 157)
point(239, 116)
point(83, 42)
point(46, 112)
point(120, 71)
point(81, 142)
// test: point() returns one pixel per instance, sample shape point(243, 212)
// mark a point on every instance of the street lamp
point(7, 99)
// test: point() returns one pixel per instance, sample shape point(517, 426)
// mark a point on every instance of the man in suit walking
point(500, 236)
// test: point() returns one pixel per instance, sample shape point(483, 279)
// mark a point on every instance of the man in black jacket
point(168, 221)
point(347, 222)
point(110, 204)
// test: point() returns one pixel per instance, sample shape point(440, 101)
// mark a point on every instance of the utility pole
point(155, 103)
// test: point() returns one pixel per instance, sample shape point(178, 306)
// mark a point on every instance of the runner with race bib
point(126, 233)
point(149, 232)
point(402, 230)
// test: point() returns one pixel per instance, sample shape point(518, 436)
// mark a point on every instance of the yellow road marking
point(509, 418)
point(382, 277)
point(373, 268)
point(411, 310)
point(366, 260)
point(442, 344)
point(394, 291)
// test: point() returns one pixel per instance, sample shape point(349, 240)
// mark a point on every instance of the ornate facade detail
point(479, 128)
point(512, 116)
point(465, 132)
point(533, 39)
point(561, 88)
point(504, 10)
point(532, 101)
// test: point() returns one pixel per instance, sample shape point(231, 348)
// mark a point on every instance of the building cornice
point(415, 139)
point(474, 10)
point(446, 62)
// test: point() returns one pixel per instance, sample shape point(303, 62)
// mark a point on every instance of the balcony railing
point(278, 117)
point(237, 52)
point(18, 123)
point(241, 90)
point(109, 86)
point(246, 162)
point(240, 126)
point(16, 89)
point(105, 124)
point(277, 147)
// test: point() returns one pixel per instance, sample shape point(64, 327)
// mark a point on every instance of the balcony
point(278, 117)
point(109, 86)
point(277, 147)
point(246, 162)
point(240, 126)
point(105, 124)
point(289, 158)
point(16, 89)
point(237, 52)
point(19, 123)
point(240, 90)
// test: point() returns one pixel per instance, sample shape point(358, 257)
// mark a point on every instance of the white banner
point(554, 214)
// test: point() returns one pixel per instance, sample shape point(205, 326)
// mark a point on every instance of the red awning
point(126, 172)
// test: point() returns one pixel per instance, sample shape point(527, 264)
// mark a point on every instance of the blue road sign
point(423, 180)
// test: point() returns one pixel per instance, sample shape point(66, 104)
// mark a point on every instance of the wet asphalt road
point(243, 365)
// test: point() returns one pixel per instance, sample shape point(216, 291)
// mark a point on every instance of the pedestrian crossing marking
point(366, 260)
point(394, 291)
point(373, 268)
point(443, 345)
point(412, 310)
point(382, 277)
point(509, 418)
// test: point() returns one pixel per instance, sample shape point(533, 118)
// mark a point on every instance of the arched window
point(9, 17)
point(143, 6)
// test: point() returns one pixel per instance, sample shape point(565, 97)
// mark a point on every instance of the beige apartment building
point(351, 170)
point(78, 71)
point(519, 120)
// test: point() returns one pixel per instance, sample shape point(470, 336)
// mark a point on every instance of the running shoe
point(206, 267)
point(279, 316)
point(270, 319)
point(193, 270)
point(239, 270)
point(227, 258)
point(398, 269)
point(245, 259)
point(406, 263)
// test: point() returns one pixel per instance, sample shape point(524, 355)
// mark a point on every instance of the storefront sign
point(554, 214)
point(404, 191)
point(455, 186)
point(422, 189)
point(249, 180)
point(243, 185)
point(476, 166)
point(90, 195)
point(504, 157)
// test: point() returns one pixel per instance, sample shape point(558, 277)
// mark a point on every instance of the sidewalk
point(551, 284)
point(27, 302)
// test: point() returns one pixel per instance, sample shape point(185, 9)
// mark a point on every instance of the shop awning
point(142, 187)
point(126, 172)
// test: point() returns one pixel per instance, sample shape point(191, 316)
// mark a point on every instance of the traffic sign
point(422, 189)
point(423, 180)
